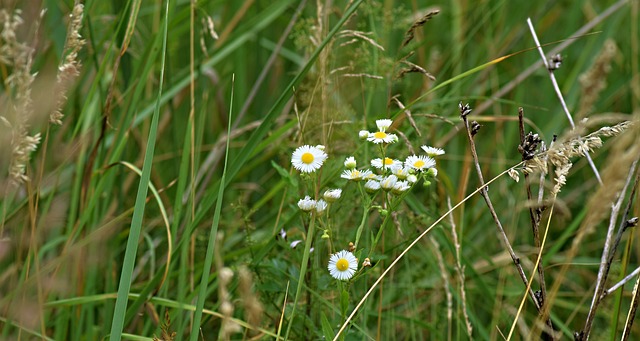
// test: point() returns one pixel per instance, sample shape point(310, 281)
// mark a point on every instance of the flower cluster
point(385, 174)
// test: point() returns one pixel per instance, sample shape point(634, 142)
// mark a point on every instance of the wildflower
point(383, 125)
point(432, 151)
point(332, 195)
point(432, 172)
point(401, 172)
point(367, 262)
point(352, 247)
point(372, 186)
point(350, 162)
point(307, 204)
point(343, 265)
point(420, 163)
point(355, 175)
point(388, 182)
point(382, 137)
point(308, 159)
point(321, 206)
point(363, 134)
point(400, 186)
point(295, 243)
point(387, 163)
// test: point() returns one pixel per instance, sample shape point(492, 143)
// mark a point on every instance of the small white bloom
point(388, 182)
point(307, 204)
point(295, 243)
point(387, 163)
point(432, 151)
point(372, 186)
point(332, 195)
point(382, 137)
point(363, 134)
point(401, 172)
point(321, 147)
point(412, 178)
point(420, 163)
point(400, 186)
point(432, 172)
point(321, 206)
point(308, 159)
point(343, 265)
point(355, 175)
point(383, 125)
point(350, 162)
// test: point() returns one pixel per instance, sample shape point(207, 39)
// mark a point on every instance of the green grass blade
point(213, 235)
point(117, 324)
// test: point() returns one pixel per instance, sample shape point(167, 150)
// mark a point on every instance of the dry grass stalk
point(253, 309)
point(593, 81)
point(408, 37)
point(70, 68)
point(18, 56)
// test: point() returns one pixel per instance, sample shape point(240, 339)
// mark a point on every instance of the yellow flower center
point(342, 264)
point(307, 158)
point(387, 161)
point(380, 135)
point(419, 164)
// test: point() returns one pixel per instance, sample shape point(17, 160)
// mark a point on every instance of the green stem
point(303, 271)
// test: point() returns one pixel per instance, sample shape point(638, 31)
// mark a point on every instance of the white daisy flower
point(343, 265)
point(363, 134)
point(400, 186)
point(355, 175)
point(382, 137)
point(332, 195)
point(383, 125)
point(372, 186)
point(388, 182)
point(432, 151)
point(387, 163)
point(420, 163)
point(350, 162)
point(321, 206)
point(401, 172)
point(412, 178)
point(308, 159)
point(307, 204)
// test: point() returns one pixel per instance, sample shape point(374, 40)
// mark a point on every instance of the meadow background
point(121, 189)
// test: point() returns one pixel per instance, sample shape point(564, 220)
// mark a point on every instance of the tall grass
point(147, 190)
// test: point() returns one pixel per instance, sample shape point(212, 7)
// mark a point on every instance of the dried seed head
point(352, 247)
point(475, 127)
point(529, 147)
point(465, 109)
point(554, 62)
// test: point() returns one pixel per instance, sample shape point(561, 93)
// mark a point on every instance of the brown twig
point(464, 112)
point(528, 145)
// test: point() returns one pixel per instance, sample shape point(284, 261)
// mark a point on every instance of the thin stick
point(632, 311)
point(559, 94)
point(460, 271)
point(621, 283)
point(465, 110)
point(534, 212)
point(609, 249)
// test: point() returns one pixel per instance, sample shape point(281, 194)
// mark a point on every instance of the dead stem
point(550, 69)
point(528, 145)
point(609, 249)
point(464, 112)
